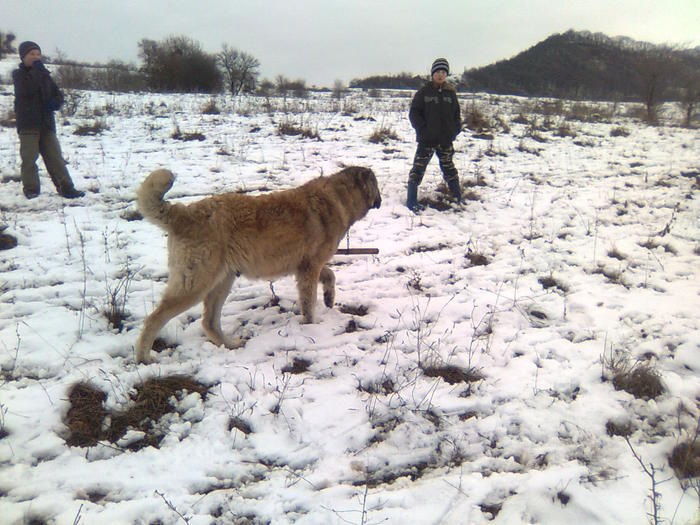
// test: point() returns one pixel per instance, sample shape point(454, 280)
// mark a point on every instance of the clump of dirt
point(86, 417)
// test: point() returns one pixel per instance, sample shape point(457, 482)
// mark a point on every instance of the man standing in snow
point(436, 118)
point(36, 98)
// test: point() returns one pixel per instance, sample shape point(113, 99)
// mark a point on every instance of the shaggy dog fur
point(212, 241)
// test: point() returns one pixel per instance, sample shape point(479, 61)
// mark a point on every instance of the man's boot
point(455, 190)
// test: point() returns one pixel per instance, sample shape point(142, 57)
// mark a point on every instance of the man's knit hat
point(26, 47)
point(440, 63)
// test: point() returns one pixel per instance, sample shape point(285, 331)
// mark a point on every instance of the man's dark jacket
point(36, 98)
point(435, 115)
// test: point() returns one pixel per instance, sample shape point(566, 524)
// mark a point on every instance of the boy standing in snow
point(436, 118)
point(36, 98)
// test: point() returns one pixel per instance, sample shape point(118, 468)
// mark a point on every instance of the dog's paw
point(144, 358)
point(232, 343)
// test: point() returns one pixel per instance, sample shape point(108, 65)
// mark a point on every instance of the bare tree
point(240, 69)
point(690, 95)
point(657, 67)
point(339, 89)
point(6, 46)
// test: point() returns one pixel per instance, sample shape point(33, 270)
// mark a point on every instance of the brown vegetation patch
point(477, 259)
point(548, 282)
point(85, 418)
point(493, 509)
point(132, 215)
point(453, 374)
point(685, 459)
point(383, 135)
point(7, 241)
point(359, 310)
point(421, 248)
point(187, 136)
point(614, 428)
point(297, 366)
point(652, 244)
point(619, 132)
point(93, 129)
point(375, 479)
point(291, 129)
point(385, 386)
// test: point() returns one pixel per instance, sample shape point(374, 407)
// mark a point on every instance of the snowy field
point(465, 375)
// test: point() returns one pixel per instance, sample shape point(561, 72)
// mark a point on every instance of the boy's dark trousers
point(420, 162)
point(44, 142)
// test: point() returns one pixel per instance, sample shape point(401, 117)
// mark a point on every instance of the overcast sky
point(324, 40)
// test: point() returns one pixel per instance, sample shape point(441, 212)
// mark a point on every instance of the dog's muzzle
point(377, 202)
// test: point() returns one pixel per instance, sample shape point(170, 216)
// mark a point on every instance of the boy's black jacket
point(36, 98)
point(435, 115)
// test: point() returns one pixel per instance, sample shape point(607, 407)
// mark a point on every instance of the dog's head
point(367, 182)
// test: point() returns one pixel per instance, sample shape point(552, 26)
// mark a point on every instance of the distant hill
point(584, 65)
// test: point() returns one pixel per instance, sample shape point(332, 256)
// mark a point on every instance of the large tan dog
point(213, 240)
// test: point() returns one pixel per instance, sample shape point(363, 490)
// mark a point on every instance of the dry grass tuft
point(685, 459)
point(640, 379)
point(239, 424)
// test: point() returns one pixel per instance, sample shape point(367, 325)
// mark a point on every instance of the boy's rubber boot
point(412, 197)
point(455, 190)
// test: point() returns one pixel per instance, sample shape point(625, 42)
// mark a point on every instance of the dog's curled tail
point(150, 196)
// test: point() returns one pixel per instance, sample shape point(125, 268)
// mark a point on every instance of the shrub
point(210, 108)
point(383, 134)
point(178, 63)
point(475, 119)
point(97, 127)
point(619, 132)
point(287, 127)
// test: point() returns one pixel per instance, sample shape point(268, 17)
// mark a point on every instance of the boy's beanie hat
point(26, 47)
point(440, 63)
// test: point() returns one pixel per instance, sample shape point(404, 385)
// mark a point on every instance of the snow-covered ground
point(591, 247)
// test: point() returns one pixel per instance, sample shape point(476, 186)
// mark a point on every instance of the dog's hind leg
point(211, 320)
point(174, 302)
point(307, 285)
point(328, 281)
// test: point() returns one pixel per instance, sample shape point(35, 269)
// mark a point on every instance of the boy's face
point(439, 77)
point(31, 57)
